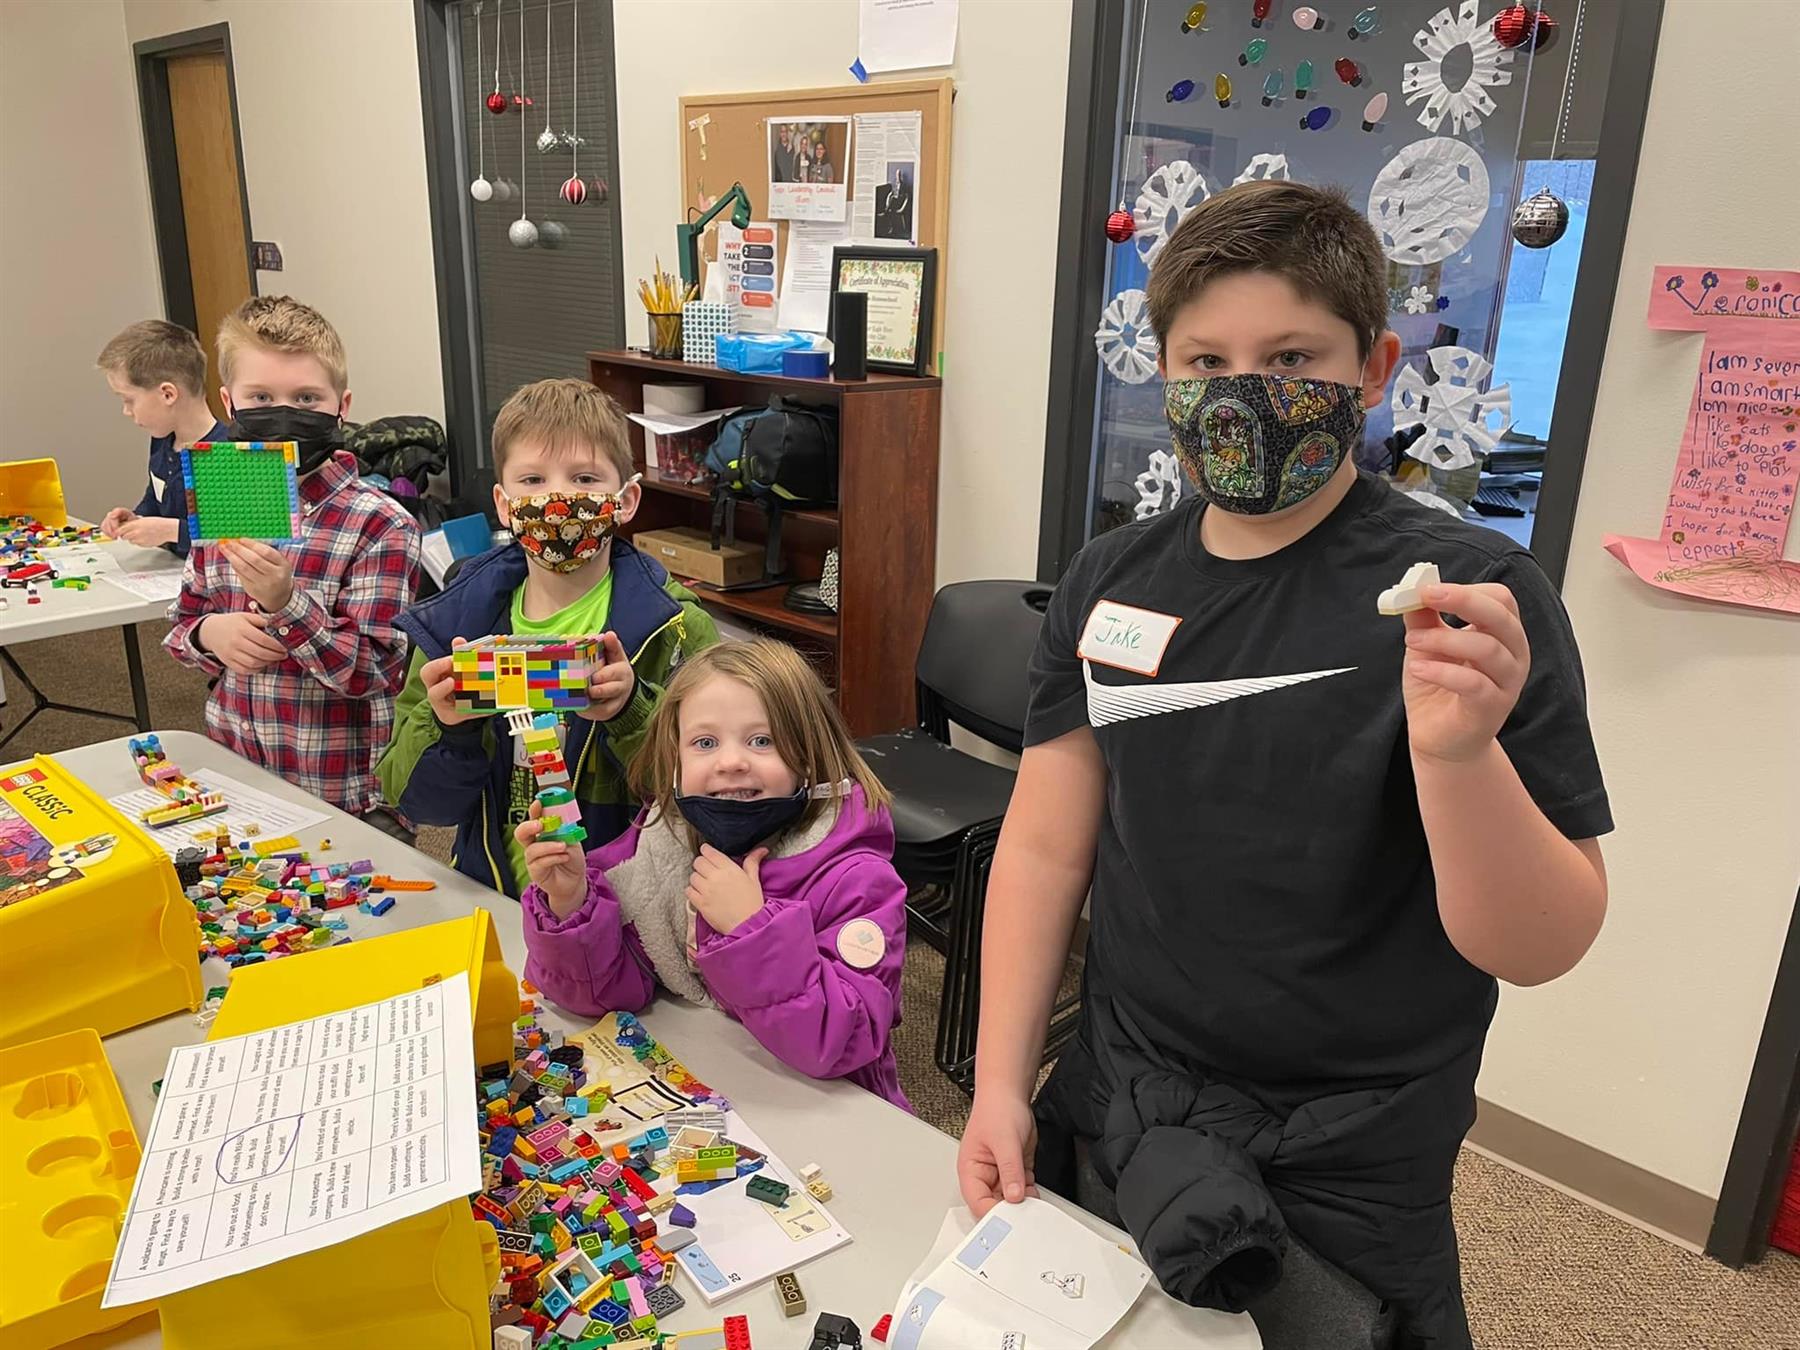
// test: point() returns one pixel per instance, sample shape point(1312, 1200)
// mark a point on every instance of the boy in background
point(562, 461)
point(302, 637)
point(1316, 837)
point(158, 370)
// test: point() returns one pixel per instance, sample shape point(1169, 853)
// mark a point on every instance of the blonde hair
point(560, 413)
point(804, 722)
point(154, 351)
point(280, 323)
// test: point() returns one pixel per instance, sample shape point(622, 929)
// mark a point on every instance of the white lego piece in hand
point(1404, 598)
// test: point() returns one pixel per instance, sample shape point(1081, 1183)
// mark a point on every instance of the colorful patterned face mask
point(1256, 443)
point(563, 530)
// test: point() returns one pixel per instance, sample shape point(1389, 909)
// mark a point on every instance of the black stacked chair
point(971, 672)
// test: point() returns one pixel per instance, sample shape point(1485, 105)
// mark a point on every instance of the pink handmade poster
point(1732, 498)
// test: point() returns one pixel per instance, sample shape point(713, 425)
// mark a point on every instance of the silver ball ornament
point(481, 190)
point(522, 233)
point(1540, 220)
point(547, 141)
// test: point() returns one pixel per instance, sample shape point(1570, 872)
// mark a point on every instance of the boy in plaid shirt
point(302, 637)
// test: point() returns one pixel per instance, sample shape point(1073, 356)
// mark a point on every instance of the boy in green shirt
point(564, 480)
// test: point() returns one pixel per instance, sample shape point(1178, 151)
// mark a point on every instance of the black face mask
point(317, 433)
point(735, 826)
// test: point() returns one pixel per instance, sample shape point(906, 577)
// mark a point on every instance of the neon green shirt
point(586, 617)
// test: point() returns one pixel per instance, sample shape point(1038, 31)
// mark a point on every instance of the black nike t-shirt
point(1263, 900)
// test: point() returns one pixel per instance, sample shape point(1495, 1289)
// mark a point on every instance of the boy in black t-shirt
point(1315, 836)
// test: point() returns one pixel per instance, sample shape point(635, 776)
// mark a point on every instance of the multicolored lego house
point(499, 674)
point(188, 800)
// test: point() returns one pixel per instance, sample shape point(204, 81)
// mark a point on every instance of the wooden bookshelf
point(884, 525)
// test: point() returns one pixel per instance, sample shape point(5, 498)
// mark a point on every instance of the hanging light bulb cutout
point(1271, 87)
point(1179, 92)
point(1307, 19)
point(1364, 24)
point(1195, 17)
point(1259, 11)
point(1348, 71)
point(1374, 110)
point(1540, 220)
point(1222, 90)
point(1316, 119)
point(1253, 52)
point(1303, 74)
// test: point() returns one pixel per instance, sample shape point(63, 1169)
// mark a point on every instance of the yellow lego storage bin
point(33, 487)
point(422, 1281)
point(67, 1158)
point(94, 929)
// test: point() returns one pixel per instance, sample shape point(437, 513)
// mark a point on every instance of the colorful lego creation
point(188, 800)
point(242, 490)
point(501, 674)
point(561, 812)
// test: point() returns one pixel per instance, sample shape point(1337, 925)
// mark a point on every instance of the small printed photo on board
point(894, 214)
point(809, 166)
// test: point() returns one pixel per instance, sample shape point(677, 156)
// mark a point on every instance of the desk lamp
point(687, 234)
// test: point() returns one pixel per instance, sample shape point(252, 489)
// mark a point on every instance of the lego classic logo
point(21, 780)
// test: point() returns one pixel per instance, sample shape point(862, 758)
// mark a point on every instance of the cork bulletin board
point(737, 150)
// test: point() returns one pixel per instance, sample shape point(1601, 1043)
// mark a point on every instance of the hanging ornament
point(574, 191)
point(1347, 71)
point(1259, 11)
point(1303, 74)
point(1512, 26)
point(1306, 18)
point(1120, 226)
point(554, 234)
point(503, 190)
point(547, 139)
point(481, 190)
point(1195, 17)
point(1271, 87)
point(1489, 66)
point(1543, 218)
point(1253, 52)
point(1316, 119)
point(1364, 24)
point(522, 233)
point(1168, 194)
point(1463, 419)
point(601, 192)
point(1124, 339)
point(1543, 31)
point(1374, 110)
point(1222, 90)
point(496, 101)
point(1179, 92)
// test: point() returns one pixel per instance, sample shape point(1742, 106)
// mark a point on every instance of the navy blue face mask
point(734, 825)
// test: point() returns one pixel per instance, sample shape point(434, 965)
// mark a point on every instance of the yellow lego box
point(94, 929)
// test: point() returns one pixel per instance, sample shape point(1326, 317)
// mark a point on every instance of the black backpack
point(785, 455)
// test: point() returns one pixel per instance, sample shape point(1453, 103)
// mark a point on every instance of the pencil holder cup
point(665, 335)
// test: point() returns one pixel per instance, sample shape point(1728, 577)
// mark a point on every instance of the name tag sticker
point(1126, 637)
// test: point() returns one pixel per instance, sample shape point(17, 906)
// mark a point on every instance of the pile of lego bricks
point(262, 901)
point(22, 567)
point(588, 1230)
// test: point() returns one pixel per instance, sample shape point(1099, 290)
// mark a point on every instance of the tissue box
point(701, 322)
point(755, 353)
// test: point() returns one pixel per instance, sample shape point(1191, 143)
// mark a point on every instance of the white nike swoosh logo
point(1118, 703)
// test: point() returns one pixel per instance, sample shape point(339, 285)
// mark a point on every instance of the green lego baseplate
point(242, 490)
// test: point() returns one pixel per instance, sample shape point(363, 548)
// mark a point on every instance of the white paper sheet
point(1027, 1269)
point(806, 285)
point(907, 34)
point(164, 583)
point(885, 207)
point(288, 1140)
point(673, 424)
point(435, 555)
point(87, 559)
point(809, 160)
point(244, 804)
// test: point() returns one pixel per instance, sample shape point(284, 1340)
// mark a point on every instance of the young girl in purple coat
point(758, 877)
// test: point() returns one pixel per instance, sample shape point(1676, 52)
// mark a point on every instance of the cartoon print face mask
point(563, 530)
point(1258, 443)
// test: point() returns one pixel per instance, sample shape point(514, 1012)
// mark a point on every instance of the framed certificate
point(901, 286)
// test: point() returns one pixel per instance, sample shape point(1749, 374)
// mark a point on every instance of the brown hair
point(559, 413)
point(153, 351)
point(280, 323)
point(1312, 236)
point(804, 721)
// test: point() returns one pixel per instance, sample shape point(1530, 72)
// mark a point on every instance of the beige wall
point(1644, 1051)
point(334, 166)
point(76, 262)
point(1011, 77)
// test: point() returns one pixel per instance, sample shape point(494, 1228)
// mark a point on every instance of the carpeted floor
point(1542, 1271)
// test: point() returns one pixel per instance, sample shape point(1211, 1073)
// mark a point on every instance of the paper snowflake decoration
point(1159, 486)
point(1263, 167)
point(1420, 300)
point(1470, 101)
point(1124, 338)
point(1168, 194)
point(1428, 201)
point(1463, 419)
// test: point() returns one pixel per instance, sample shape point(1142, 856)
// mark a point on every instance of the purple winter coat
point(779, 973)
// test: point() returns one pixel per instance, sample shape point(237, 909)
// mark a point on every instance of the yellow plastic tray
point(423, 1281)
point(67, 1158)
point(33, 487)
point(94, 929)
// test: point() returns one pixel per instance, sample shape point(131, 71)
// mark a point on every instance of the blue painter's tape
point(856, 69)
point(983, 1243)
point(911, 1326)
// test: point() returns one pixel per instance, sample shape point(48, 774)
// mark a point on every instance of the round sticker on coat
point(861, 943)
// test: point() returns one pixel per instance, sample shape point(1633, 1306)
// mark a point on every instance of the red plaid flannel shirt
point(321, 717)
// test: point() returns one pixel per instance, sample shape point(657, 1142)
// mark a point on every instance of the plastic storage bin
point(423, 1281)
point(94, 929)
point(67, 1158)
point(33, 487)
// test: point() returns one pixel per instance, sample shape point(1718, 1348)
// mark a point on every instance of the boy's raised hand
point(440, 687)
point(265, 573)
point(558, 870)
point(240, 641)
point(1460, 684)
point(610, 689)
point(723, 893)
